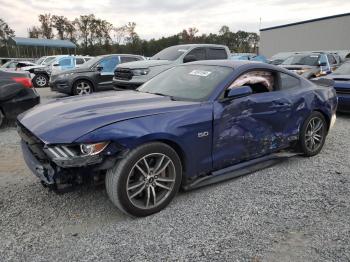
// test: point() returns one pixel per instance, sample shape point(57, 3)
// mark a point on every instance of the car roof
point(235, 64)
point(228, 63)
point(201, 45)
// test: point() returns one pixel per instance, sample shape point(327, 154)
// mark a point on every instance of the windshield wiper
point(160, 94)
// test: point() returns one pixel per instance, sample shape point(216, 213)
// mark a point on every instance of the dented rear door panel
point(252, 126)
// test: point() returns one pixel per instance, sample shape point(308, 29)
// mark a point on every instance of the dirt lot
point(297, 210)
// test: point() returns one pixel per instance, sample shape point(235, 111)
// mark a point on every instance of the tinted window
point(171, 53)
point(65, 62)
point(198, 53)
point(216, 53)
point(331, 59)
point(109, 64)
point(311, 60)
point(191, 82)
point(288, 82)
point(125, 59)
point(79, 61)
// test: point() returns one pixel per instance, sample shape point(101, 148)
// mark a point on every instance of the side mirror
point(322, 63)
point(189, 58)
point(99, 68)
point(238, 92)
point(56, 64)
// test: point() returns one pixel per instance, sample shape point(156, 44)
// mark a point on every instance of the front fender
point(181, 128)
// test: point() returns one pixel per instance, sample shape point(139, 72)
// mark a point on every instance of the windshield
point(6, 65)
point(40, 60)
point(191, 82)
point(310, 60)
point(49, 60)
point(171, 53)
point(344, 69)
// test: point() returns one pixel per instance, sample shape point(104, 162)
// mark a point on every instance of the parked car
point(311, 65)
point(45, 60)
point(132, 75)
point(16, 65)
point(16, 94)
point(249, 57)
point(341, 77)
point(93, 76)
point(192, 125)
point(41, 73)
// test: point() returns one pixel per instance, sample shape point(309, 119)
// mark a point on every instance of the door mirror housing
point(189, 58)
point(56, 64)
point(238, 92)
point(99, 68)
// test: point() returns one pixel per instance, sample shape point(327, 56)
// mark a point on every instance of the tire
point(40, 80)
point(313, 134)
point(133, 191)
point(2, 119)
point(82, 87)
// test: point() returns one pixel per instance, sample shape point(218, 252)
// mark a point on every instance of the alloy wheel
point(41, 81)
point(151, 180)
point(83, 88)
point(314, 134)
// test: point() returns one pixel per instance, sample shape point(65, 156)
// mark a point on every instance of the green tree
point(46, 26)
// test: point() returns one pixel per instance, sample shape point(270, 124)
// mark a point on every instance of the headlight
point(140, 72)
point(77, 155)
point(93, 149)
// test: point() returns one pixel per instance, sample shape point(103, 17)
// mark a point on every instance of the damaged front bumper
point(53, 167)
point(45, 172)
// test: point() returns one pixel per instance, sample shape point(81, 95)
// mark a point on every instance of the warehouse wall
point(328, 34)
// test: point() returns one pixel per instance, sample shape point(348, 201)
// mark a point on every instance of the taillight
point(25, 81)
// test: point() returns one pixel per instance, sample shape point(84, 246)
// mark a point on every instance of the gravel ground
point(297, 210)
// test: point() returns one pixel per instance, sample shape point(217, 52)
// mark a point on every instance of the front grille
point(123, 73)
point(35, 145)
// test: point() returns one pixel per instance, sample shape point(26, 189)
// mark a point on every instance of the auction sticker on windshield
point(200, 73)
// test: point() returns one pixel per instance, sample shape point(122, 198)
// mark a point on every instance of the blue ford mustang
point(195, 124)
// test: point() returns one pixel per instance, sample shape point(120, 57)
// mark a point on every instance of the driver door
point(249, 127)
point(105, 76)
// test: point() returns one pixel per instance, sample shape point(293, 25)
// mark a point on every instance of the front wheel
point(2, 119)
point(40, 80)
point(146, 180)
point(82, 87)
point(313, 134)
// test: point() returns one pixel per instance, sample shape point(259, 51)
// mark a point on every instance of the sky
point(157, 18)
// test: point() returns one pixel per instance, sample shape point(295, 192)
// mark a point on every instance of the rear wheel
point(146, 180)
point(82, 87)
point(40, 80)
point(313, 134)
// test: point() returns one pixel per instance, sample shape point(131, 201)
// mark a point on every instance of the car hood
point(65, 120)
point(339, 77)
point(27, 68)
point(145, 64)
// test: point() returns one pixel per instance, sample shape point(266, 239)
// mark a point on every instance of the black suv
point(93, 76)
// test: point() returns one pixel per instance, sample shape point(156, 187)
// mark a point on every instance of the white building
point(326, 33)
